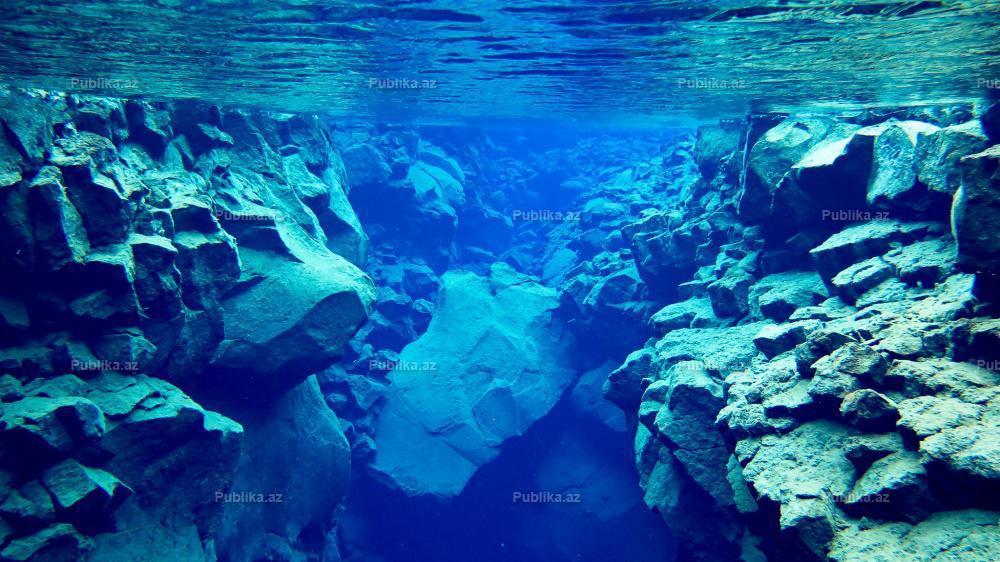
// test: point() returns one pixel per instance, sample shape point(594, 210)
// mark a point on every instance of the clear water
point(529, 97)
point(438, 60)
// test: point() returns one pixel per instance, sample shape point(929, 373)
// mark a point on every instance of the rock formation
point(835, 400)
point(155, 253)
point(234, 335)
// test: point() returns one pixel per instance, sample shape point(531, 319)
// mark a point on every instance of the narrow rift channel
point(534, 281)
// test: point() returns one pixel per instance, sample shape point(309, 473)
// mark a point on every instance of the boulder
point(775, 339)
point(895, 486)
point(272, 497)
point(938, 155)
point(845, 370)
point(59, 235)
point(857, 279)
point(492, 362)
point(729, 294)
point(774, 154)
point(815, 449)
point(893, 183)
point(365, 166)
point(715, 146)
point(779, 295)
point(805, 195)
point(87, 496)
point(268, 349)
point(58, 542)
point(975, 211)
point(869, 410)
point(692, 313)
point(964, 534)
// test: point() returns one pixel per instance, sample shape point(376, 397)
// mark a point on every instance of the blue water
point(402, 281)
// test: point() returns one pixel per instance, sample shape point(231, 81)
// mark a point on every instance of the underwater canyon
point(241, 333)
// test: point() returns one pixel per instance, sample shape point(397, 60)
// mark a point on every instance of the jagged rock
point(613, 305)
point(974, 214)
point(58, 230)
point(40, 428)
point(714, 145)
point(775, 153)
point(365, 166)
point(663, 256)
point(792, 402)
point(845, 161)
point(431, 182)
point(88, 496)
point(863, 450)
point(776, 339)
point(729, 295)
point(28, 507)
point(818, 344)
point(148, 125)
point(869, 411)
point(862, 241)
point(586, 398)
point(276, 347)
point(174, 455)
point(686, 423)
point(926, 415)
point(437, 157)
point(893, 183)
point(844, 371)
point(923, 263)
point(779, 295)
point(58, 542)
point(10, 389)
point(962, 535)
point(626, 384)
point(894, 486)
point(293, 497)
point(345, 235)
point(692, 313)
point(938, 376)
point(939, 154)
point(815, 449)
point(668, 491)
point(29, 119)
point(475, 372)
point(857, 279)
point(969, 450)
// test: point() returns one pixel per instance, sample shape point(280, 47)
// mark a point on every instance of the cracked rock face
point(146, 247)
point(862, 425)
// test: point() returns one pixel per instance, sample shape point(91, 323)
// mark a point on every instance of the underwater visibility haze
point(524, 281)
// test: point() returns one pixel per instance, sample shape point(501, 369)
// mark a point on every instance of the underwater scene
point(500, 281)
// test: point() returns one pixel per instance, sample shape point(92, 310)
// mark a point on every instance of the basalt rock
point(471, 382)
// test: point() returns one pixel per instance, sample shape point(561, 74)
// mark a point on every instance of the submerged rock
point(270, 348)
point(492, 362)
point(974, 215)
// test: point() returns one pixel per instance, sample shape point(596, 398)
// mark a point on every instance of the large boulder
point(976, 212)
point(492, 362)
point(272, 499)
point(805, 195)
point(939, 153)
point(270, 348)
point(893, 183)
point(774, 154)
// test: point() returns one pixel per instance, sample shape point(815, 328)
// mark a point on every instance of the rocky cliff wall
point(173, 275)
point(823, 386)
